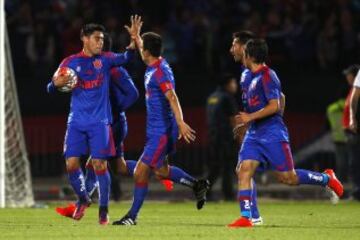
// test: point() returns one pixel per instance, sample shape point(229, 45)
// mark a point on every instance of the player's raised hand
point(135, 27)
point(186, 132)
point(242, 118)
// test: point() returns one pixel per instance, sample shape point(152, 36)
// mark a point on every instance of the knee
point(244, 175)
point(99, 165)
point(288, 179)
point(161, 173)
point(72, 164)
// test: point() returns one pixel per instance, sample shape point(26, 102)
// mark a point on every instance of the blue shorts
point(94, 139)
point(120, 130)
point(275, 156)
point(158, 147)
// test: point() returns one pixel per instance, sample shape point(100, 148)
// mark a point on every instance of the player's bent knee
point(72, 164)
point(99, 165)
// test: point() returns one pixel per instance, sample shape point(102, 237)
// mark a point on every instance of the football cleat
point(80, 210)
point(257, 221)
point(200, 189)
point(168, 184)
point(67, 211)
point(103, 217)
point(126, 220)
point(334, 184)
point(241, 222)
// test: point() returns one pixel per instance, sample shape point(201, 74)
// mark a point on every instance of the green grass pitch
point(166, 221)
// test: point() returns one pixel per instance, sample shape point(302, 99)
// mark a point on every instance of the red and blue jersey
point(159, 79)
point(90, 98)
point(258, 88)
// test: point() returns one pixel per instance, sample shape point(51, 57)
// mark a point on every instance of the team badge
point(97, 64)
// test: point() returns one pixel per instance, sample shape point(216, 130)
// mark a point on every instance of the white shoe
point(334, 199)
point(257, 221)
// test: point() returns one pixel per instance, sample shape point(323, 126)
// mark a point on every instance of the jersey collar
point(157, 63)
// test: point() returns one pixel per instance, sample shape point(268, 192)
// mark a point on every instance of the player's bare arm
point(270, 109)
point(185, 131)
point(282, 103)
point(354, 100)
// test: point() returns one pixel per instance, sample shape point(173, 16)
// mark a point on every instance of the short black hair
point(152, 43)
point(352, 69)
point(225, 79)
point(107, 42)
point(90, 28)
point(243, 36)
point(257, 49)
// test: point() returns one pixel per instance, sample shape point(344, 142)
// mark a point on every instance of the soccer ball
point(65, 71)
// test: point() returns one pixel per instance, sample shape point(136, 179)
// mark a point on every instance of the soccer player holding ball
point(90, 117)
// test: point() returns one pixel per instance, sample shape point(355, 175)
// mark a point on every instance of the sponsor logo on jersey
point(97, 64)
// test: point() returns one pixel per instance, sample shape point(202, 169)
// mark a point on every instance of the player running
point(164, 126)
point(266, 143)
point(90, 118)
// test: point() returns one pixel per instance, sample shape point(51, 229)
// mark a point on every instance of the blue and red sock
point(312, 178)
point(90, 179)
point(177, 175)
point(104, 180)
point(244, 198)
point(76, 178)
point(140, 192)
point(254, 208)
point(130, 165)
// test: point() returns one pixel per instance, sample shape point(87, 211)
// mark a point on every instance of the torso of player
point(269, 129)
point(90, 98)
point(160, 118)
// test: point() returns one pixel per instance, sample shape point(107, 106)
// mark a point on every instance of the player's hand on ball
point(186, 132)
point(65, 79)
point(242, 118)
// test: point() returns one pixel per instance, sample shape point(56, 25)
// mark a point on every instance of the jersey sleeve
point(117, 59)
point(272, 87)
point(122, 81)
point(357, 80)
point(163, 80)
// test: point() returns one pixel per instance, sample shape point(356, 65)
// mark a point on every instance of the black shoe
point(126, 220)
point(200, 189)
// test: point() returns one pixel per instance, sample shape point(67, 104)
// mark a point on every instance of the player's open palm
point(186, 132)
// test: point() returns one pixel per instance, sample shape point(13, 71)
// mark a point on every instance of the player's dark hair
point(90, 28)
point(257, 49)
point(243, 36)
point(152, 43)
point(107, 43)
point(225, 79)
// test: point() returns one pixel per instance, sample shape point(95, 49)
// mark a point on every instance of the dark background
point(310, 41)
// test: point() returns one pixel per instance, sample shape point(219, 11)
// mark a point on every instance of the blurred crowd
point(197, 33)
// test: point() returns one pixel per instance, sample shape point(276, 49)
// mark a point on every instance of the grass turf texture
point(167, 221)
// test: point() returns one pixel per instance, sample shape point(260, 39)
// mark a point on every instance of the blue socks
point(130, 165)
point(90, 179)
point(76, 178)
point(179, 176)
point(140, 192)
point(312, 178)
point(244, 198)
point(103, 177)
point(254, 208)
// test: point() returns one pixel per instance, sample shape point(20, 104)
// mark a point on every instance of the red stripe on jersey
point(166, 86)
point(141, 184)
point(160, 148)
point(288, 156)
